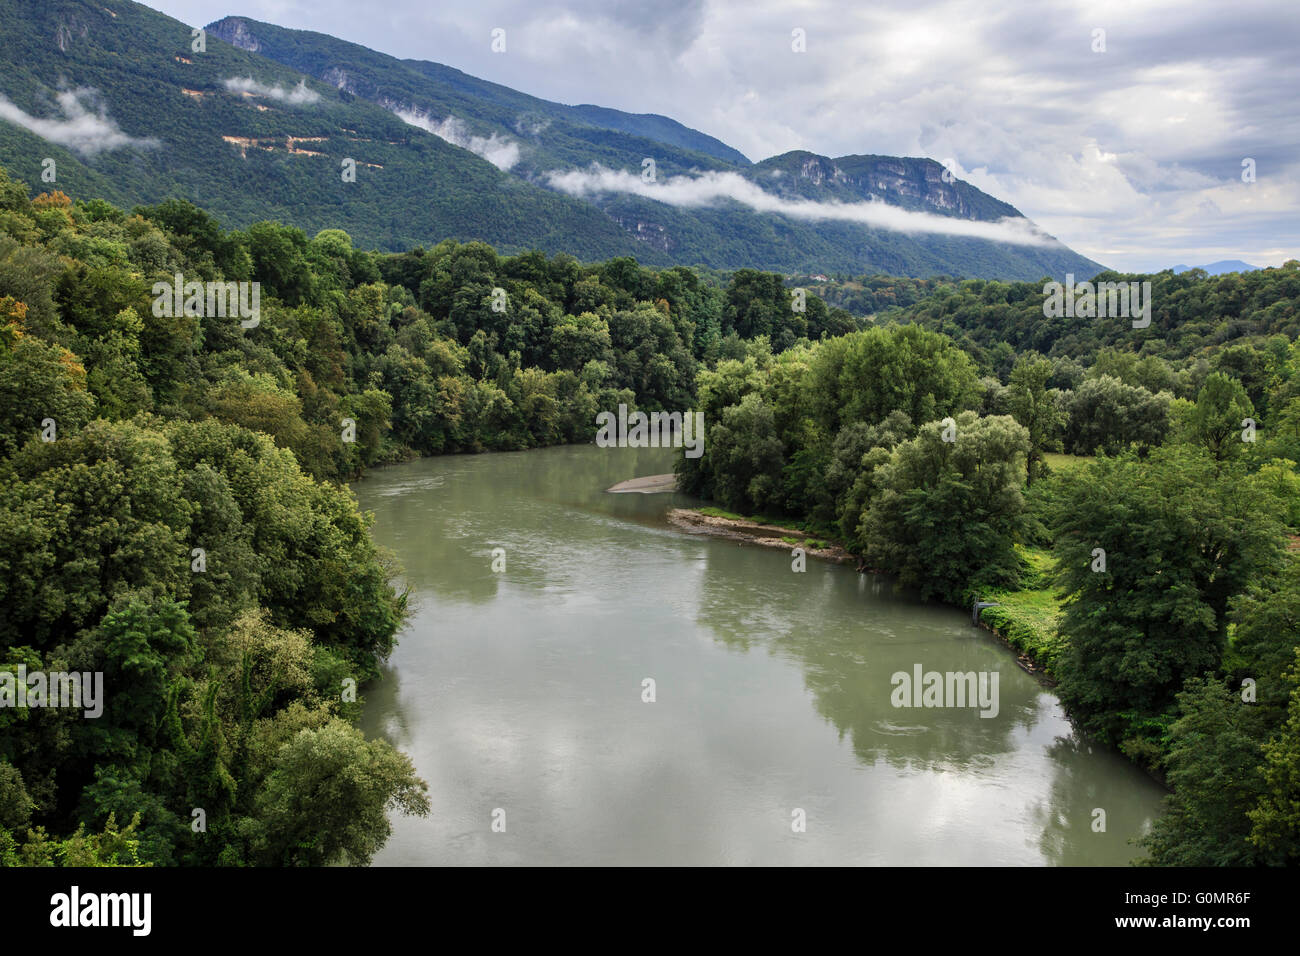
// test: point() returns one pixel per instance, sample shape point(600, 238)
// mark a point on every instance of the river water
point(772, 737)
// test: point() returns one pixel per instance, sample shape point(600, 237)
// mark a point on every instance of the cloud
point(709, 188)
point(83, 127)
point(298, 96)
point(531, 126)
point(497, 150)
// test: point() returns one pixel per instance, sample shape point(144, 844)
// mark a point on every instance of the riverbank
point(760, 531)
point(1028, 618)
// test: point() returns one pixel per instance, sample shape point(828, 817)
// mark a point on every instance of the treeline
point(442, 350)
point(866, 295)
point(170, 514)
point(1181, 607)
point(1242, 322)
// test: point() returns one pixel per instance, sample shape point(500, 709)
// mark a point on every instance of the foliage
point(1149, 555)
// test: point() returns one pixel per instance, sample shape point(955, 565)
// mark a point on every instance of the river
point(772, 737)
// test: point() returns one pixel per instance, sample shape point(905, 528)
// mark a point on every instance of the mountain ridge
point(1219, 268)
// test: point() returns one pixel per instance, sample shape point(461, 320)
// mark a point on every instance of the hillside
point(270, 152)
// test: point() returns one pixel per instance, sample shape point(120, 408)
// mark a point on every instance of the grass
point(1058, 462)
point(719, 513)
point(1029, 619)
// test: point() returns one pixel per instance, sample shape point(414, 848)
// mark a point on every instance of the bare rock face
point(819, 170)
point(236, 32)
point(651, 233)
point(67, 31)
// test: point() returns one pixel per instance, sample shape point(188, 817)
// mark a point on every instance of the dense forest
point(173, 513)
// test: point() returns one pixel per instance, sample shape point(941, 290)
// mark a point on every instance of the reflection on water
point(522, 691)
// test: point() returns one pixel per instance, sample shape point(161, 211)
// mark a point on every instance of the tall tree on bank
point(949, 508)
point(1033, 406)
point(1149, 554)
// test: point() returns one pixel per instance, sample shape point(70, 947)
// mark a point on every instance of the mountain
point(259, 124)
point(1220, 267)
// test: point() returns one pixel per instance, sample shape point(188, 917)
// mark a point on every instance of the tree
point(38, 381)
point(325, 800)
point(1034, 407)
point(1108, 416)
point(745, 455)
point(1149, 555)
point(1218, 418)
point(864, 376)
point(1276, 819)
point(86, 520)
point(1213, 766)
point(948, 513)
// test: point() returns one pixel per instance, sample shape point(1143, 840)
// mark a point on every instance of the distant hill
point(1220, 267)
point(258, 126)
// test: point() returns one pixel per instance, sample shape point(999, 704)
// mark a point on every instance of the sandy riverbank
point(649, 485)
point(766, 535)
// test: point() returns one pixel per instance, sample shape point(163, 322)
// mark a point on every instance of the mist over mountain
point(262, 122)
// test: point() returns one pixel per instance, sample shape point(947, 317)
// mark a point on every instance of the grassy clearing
point(1058, 462)
point(1029, 618)
point(719, 513)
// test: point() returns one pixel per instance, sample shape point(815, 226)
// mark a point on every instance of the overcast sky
point(1132, 156)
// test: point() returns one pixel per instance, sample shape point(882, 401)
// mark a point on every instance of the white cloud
point(83, 127)
point(709, 188)
point(531, 126)
point(297, 96)
point(497, 150)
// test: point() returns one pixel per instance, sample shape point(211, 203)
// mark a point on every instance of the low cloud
point(299, 95)
point(497, 150)
point(531, 126)
point(83, 126)
point(709, 188)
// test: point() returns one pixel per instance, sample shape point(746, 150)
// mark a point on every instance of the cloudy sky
point(1132, 156)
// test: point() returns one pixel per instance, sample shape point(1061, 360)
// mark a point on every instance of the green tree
point(325, 800)
point(1215, 749)
point(1218, 418)
point(1149, 555)
point(864, 376)
point(1276, 819)
point(948, 513)
point(1034, 407)
point(1106, 415)
point(746, 457)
